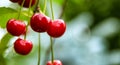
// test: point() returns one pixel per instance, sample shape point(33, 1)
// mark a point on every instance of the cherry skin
point(56, 28)
point(55, 62)
point(15, 27)
point(39, 22)
point(26, 3)
point(22, 47)
point(14, 1)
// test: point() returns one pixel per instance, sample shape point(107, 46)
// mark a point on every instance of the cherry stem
point(63, 8)
point(51, 40)
point(52, 50)
point(49, 48)
point(36, 9)
point(29, 7)
point(39, 49)
point(51, 6)
point(28, 19)
point(44, 10)
point(20, 9)
point(39, 42)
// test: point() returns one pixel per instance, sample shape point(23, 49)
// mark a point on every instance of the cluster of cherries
point(39, 23)
point(26, 2)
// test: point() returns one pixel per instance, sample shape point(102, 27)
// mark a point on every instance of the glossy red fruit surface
point(15, 27)
point(27, 3)
point(39, 22)
point(55, 62)
point(22, 47)
point(14, 1)
point(56, 28)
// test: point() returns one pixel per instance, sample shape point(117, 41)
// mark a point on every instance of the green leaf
point(4, 42)
point(8, 13)
point(4, 18)
point(2, 61)
point(60, 2)
point(4, 10)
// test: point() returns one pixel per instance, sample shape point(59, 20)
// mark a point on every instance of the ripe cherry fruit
point(22, 47)
point(27, 3)
point(55, 62)
point(56, 28)
point(14, 1)
point(39, 22)
point(16, 27)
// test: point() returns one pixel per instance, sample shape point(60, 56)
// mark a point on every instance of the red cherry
point(55, 62)
point(23, 47)
point(26, 3)
point(14, 1)
point(15, 27)
point(39, 22)
point(56, 28)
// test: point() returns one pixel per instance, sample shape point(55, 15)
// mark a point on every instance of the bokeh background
point(92, 36)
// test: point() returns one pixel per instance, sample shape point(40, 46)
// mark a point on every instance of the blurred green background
point(92, 36)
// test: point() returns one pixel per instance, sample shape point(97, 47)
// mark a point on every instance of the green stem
point(39, 43)
point(29, 8)
point(52, 50)
point(44, 10)
point(28, 19)
point(51, 40)
point(20, 9)
point(63, 8)
point(49, 48)
point(36, 9)
point(39, 49)
point(52, 9)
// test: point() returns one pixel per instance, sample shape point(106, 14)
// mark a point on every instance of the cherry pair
point(56, 28)
point(41, 23)
point(26, 3)
point(17, 28)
